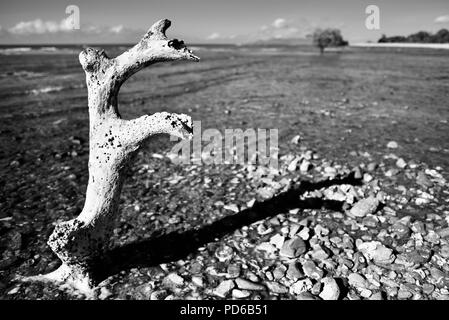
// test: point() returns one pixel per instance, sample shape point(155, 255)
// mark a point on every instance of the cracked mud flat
point(357, 210)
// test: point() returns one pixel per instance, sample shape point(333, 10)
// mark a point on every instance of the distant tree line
point(441, 36)
point(328, 38)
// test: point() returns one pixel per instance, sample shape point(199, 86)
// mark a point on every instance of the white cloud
point(38, 26)
point(279, 23)
point(442, 19)
point(117, 29)
point(213, 36)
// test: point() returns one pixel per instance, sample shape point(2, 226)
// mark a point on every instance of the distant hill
point(441, 36)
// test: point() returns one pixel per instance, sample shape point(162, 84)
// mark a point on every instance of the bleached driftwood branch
point(113, 143)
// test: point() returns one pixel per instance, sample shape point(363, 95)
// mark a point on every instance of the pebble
point(331, 291)
point(403, 293)
point(371, 166)
point(104, 293)
point(400, 230)
point(376, 296)
point(293, 248)
point(158, 295)
point(293, 272)
point(301, 286)
point(248, 285)
point(224, 253)
point(277, 240)
point(401, 163)
point(198, 281)
point(240, 294)
point(174, 279)
point(392, 145)
point(224, 288)
point(294, 164)
point(304, 234)
point(428, 288)
point(311, 270)
point(319, 254)
point(276, 287)
point(375, 250)
point(233, 271)
point(296, 139)
point(444, 251)
point(306, 296)
point(423, 180)
point(305, 166)
point(279, 272)
point(357, 280)
point(365, 206)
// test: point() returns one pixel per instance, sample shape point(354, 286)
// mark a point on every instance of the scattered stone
point(304, 234)
point(357, 280)
point(279, 272)
point(276, 287)
point(403, 293)
point(224, 288)
point(305, 166)
point(376, 296)
point(401, 163)
point(365, 206)
point(296, 139)
point(233, 271)
point(293, 272)
point(174, 279)
point(376, 251)
point(224, 253)
point(331, 291)
point(294, 164)
point(248, 285)
point(371, 166)
point(358, 174)
point(392, 145)
point(444, 251)
point(240, 294)
point(198, 281)
point(277, 240)
point(428, 288)
point(293, 248)
point(311, 270)
point(104, 293)
point(301, 286)
point(158, 295)
point(400, 230)
point(319, 254)
point(423, 180)
point(306, 296)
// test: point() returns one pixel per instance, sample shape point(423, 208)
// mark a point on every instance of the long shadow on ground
point(174, 246)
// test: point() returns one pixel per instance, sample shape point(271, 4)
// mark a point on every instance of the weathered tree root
point(113, 144)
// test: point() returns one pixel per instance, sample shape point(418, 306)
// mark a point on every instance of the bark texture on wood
point(113, 143)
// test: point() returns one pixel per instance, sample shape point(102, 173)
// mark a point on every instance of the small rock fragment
point(248, 285)
point(240, 294)
point(311, 270)
point(392, 145)
point(276, 287)
point(293, 248)
point(331, 291)
point(365, 206)
point(357, 280)
point(301, 286)
point(224, 288)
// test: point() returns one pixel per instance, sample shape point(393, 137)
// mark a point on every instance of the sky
point(212, 21)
